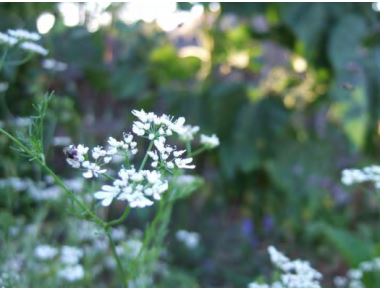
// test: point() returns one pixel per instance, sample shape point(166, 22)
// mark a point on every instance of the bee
point(70, 152)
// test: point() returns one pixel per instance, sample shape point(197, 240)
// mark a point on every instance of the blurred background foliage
point(292, 91)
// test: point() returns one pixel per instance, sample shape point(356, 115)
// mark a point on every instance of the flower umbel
point(139, 187)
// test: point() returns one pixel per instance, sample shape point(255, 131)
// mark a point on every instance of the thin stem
point(127, 209)
point(198, 151)
point(2, 61)
point(189, 149)
point(19, 62)
point(121, 218)
point(108, 177)
point(56, 178)
point(117, 259)
point(146, 155)
point(154, 230)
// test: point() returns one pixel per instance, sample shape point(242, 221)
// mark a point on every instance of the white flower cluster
point(24, 39)
point(45, 252)
point(135, 187)
point(367, 174)
point(209, 141)
point(190, 239)
point(294, 274)
point(54, 65)
point(354, 277)
point(70, 269)
point(139, 187)
point(40, 191)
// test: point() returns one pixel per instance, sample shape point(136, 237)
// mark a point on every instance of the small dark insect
point(70, 152)
point(347, 86)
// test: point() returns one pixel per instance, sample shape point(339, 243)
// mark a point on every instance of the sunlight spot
point(45, 22)
point(214, 7)
point(70, 13)
point(299, 64)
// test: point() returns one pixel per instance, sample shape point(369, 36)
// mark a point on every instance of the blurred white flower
point(209, 141)
point(190, 239)
point(92, 170)
point(54, 65)
point(187, 132)
point(356, 176)
point(24, 34)
point(45, 252)
point(34, 47)
point(61, 141)
point(294, 274)
point(70, 255)
point(72, 273)
point(8, 40)
point(3, 85)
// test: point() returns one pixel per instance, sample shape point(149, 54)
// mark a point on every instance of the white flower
point(187, 132)
point(141, 115)
point(3, 85)
point(209, 141)
point(71, 255)
point(34, 47)
point(139, 188)
point(61, 141)
point(115, 143)
point(93, 170)
point(54, 65)
point(149, 123)
point(184, 163)
point(24, 34)
point(257, 285)
point(98, 152)
point(295, 274)
point(72, 273)
point(8, 40)
point(118, 233)
point(367, 174)
point(45, 252)
point(190, 239)
point(340, 281)
point(135, 187)
point(107, 194)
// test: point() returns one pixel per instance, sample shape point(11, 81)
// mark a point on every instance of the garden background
point(291, 90)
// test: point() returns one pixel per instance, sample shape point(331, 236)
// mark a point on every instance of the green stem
point(19, 62)
point(2, 61)
point(146, 155)
point(127, 209)
point(189, 149)
point(154, 234)
point(121, 218)
point(198, 151)
point(56, 178)
point(116, 256)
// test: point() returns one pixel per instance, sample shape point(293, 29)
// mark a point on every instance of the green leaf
point(352, 248)
point(183, 186)
point(345, 40)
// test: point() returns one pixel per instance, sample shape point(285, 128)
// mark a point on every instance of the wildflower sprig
point(121, 175)
point(294, 273)
point(139, 187)
point(19, 40)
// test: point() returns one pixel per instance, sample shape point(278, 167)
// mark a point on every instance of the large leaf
point(349, 89)
point(351, 247)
